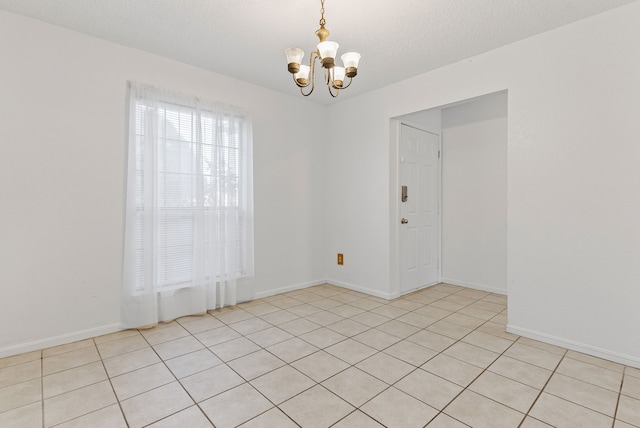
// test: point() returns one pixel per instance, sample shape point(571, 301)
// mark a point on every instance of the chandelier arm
point(329, 82)
point(311, 80)
point(312, 60)
point(347, 85)
point(312, 66)
point(331, 90)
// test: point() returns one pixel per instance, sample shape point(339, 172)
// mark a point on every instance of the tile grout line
point(417, 367)
point(165, 365)
point(232, 369)
point(475, 378)
point(124, 416)
point(197, 404)
point(174, 375)
point(458, 341)
point(439, 353)
point(543, 388)
point(349, 365)
point(277, 406)
point(42, 384)
point(586, 382)
point(615, 412)
point(176, 379)
point(78, 388)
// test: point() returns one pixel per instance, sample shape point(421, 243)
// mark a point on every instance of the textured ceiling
point(246, 38)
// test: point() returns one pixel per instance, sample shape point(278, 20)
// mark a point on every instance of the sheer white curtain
point(189, 206)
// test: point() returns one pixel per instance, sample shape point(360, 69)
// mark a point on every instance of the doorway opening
point(471, 196)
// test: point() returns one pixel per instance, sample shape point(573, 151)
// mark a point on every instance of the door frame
point(395, 129)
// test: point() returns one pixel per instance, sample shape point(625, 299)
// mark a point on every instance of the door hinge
point(438, 154)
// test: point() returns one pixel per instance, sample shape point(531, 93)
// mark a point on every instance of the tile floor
point(322, 357)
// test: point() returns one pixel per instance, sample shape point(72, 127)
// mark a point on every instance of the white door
point(419, 229)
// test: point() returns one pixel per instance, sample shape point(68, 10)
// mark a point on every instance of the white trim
point(37, 345)
point(627, 360)
point(440, 201)
point(474, 285)
point(293, 287)
point(395, 126)
point(369, 291)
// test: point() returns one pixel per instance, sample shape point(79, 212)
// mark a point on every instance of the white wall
point(474, 193)
point(573, 179)
point(357, 172)
point(62, 153)
point(428, 120)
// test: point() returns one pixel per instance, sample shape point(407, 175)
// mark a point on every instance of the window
point(189, 220)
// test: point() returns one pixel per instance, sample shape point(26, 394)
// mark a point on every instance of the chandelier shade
point(326, 52)
point(338, 74)
point(294, 58)
point(350, 61)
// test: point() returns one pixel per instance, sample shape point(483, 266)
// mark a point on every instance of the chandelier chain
point(322, 20)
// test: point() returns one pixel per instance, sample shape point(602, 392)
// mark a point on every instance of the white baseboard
point(293, 287)
point(627, 360)
point(475, 286)
point(365, 290)
point(58, 340)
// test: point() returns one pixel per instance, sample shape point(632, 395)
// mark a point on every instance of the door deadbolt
point(404, 221)
point(404, 194)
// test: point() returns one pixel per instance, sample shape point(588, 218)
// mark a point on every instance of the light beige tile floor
point(320, 357)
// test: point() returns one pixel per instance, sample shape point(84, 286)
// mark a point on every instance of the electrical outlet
point(340, 259)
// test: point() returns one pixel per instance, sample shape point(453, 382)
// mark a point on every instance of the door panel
point(419, 170)
point(427, 239)
point(412, 262)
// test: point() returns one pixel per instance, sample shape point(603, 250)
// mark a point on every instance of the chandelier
point(334, 76)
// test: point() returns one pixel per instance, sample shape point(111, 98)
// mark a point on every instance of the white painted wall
point(474, 193)
point(62, 163)
point(357, 172)
point(428, 120)
point(573, 179)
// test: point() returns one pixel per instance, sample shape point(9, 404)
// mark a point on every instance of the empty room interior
point(449, 236)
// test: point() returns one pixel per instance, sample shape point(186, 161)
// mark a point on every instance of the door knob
point(404, 221)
